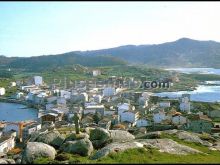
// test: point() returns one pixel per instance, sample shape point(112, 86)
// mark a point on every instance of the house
point(130, 116)
point(98, 98)
point(109, 91)
point(50, 117)
point(38, 80)
point(185, 107)
point(65, 94)
point(28, 130)
point(13, 84)
point(124, 107)
point(94, 108)
point(2, 91)
point(199, 124)
point(178, 119)
point(164, 104)
point(159, 116)
point(214, 113)
point(51, 99)
point(142, 122)
point(7, 143)
point(49, 106)
point(18, 95)
point(109, 112)
point(96, 72)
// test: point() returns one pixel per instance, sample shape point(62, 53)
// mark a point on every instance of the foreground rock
point(168, 145)
point(163, 145)
point(192, 137)
point(121, 136)
point(100, 137)
point(82, 147)
point(116, 147)
point(151, 135)
point(75, 136)
point(53, 138)
point(7, 161)
point(36, 150)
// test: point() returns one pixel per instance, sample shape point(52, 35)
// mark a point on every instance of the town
point(97, 106)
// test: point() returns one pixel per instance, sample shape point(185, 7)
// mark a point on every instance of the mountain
point(184, 52)
point(39, 63)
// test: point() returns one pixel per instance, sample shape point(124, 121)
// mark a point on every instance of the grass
point(142, 155)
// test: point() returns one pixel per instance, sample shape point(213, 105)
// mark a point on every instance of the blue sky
point(41, 28)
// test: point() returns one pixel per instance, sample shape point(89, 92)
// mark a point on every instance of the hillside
point(181, 53)
point(45, 62)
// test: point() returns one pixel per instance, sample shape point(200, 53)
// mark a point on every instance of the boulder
point(53, 138)
point(82, 147)
point(7, 161)
point(100, 137)
point(151, 135)
point(192, 137)
point(121, 136)
point(168, 145)
point(36, 150)
point(116, 147)
point(75, 136)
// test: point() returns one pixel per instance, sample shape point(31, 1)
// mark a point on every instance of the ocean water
point(203, 93)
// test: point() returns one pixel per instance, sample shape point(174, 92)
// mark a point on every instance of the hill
point(184, 52)
point(39, 63)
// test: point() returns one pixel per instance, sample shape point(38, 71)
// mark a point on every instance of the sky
point(43, 28)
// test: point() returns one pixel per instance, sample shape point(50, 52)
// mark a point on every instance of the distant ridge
point(184, 52)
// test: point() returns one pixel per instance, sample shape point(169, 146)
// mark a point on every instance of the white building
point(96, 72)
point(38, 80)
point(98, 98)
point(109, 91)
point(13, 84)
point(130, 116)
point(185, 107)
point(7, 143)
point(65, 94)
point(19, 95)
point(164, 104)
point(2, 91)
point(185, 103)
point(142, 122)
point(124, 107)
point(159, 117)
point(179, 120)
point(31, 129)
point(94, 108)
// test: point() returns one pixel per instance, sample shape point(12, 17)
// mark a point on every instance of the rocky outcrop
point(36, 150)
point(163, 145)
point(100, 137)
point(82, 147)
point(151, 135)
point(116, 147)
point(75, 136)
point(7, 161)
point(53, 138)
point(192, 137)
point(168, 145)
point(120, 136)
